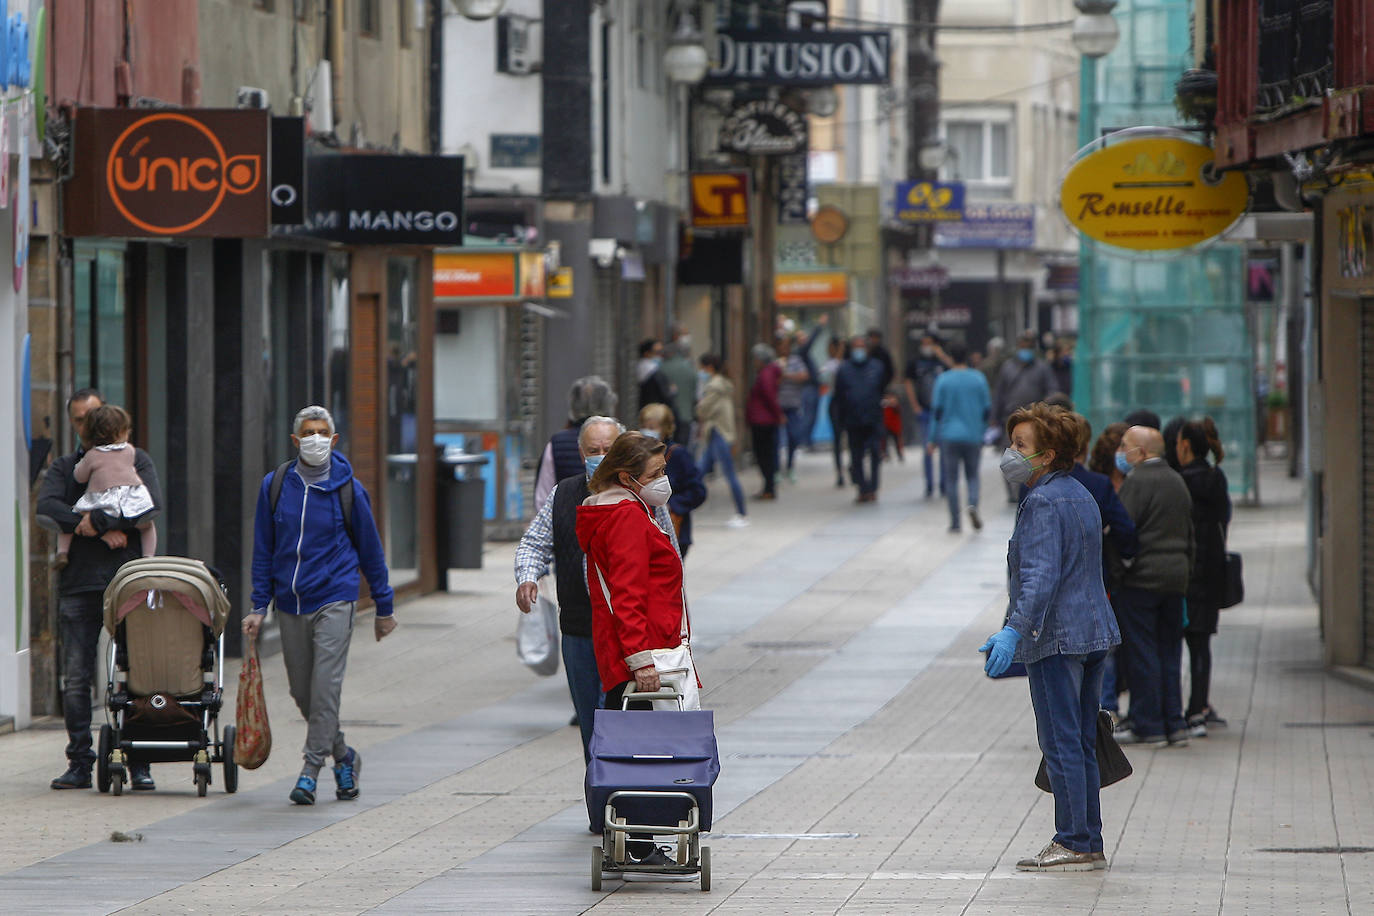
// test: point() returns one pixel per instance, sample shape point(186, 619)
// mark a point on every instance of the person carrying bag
point(253, 733)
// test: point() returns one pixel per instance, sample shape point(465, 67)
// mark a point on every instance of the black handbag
point(1112, 765)
point(1233, 586)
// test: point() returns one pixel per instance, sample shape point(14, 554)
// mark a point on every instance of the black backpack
point(345, 497)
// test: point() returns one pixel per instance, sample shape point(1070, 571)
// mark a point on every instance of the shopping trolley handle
point(664, 692)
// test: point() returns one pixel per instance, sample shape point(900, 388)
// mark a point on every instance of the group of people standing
point(1109, 566)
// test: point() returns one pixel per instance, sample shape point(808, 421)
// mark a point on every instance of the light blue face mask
point(858, 354)
point(592, 463)
point(1122, 464)
point(651, 433)
point(1025, 354)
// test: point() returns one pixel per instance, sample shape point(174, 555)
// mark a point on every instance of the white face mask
point(315, 449)
point(656, 492)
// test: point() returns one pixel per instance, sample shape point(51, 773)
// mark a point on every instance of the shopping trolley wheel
point(598, 859)
point(706, 868)
point(684, 844)
point(618, 843)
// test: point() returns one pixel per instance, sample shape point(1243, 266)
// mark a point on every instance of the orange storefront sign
point(720, 200)
point(815, 288)
point(168, 173)
point(475, 275)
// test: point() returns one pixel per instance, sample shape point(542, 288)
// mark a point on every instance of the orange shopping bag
point(253, 736)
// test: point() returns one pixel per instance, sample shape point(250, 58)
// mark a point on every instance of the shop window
point(99, 341)
point(402, 378)
point(468, 370)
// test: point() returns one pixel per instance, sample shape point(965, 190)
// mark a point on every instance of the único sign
point(764, 127)
point(1152, 190)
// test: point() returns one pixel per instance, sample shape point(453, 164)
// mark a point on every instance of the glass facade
point(1170, 334)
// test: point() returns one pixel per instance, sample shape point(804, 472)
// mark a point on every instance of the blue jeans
point(798, 433)
point(1064, 691)
point(1152, 638)
point(584, 683)
point(865, 442)
point(811, 396)
point(927, 459)
point(953, 456)
point(718, 450)
point(1110, 700)
point(80, 619)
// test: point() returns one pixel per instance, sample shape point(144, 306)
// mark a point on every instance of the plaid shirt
point(534, 554)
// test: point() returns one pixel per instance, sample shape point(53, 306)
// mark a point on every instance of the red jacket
point(644, 575)
point(762, 408)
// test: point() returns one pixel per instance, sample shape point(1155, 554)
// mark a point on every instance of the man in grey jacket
point(1149, 604)
point(1022, 381)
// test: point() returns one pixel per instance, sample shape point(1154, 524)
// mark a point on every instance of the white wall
point(479, 101)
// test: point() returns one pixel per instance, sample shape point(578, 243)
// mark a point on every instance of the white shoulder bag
point(675, 667)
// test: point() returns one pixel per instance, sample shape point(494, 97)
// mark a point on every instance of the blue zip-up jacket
point(303, 557)
point(1054, 573)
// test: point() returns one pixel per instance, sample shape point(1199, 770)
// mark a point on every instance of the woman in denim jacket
point(1059, 624)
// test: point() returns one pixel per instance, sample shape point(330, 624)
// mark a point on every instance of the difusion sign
point(1152, 191)
point(168, 173)
point(802, 58)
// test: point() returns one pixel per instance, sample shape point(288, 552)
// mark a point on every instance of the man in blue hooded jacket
point(314, 531)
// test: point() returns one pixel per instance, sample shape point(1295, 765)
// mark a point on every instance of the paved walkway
point(867, 765)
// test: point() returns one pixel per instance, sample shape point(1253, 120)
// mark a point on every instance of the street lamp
point(686, 60)
point(1095, 32)
point(480, 9)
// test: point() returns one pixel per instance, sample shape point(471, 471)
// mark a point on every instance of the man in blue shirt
point(961, 405)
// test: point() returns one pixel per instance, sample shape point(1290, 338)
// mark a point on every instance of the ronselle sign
point(139, 173)
point(1152, 190)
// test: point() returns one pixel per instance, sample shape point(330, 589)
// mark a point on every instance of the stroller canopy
point(181, 581)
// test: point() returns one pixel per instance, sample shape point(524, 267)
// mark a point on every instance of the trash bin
point(458, 517)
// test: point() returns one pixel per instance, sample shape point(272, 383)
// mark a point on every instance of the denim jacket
point(1054, 573)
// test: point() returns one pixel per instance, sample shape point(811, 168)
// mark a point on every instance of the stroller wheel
point(117, 782)
point(102, 762)
point(597, 859)
point(202, 784)
point(706, 868)
point(231, 769)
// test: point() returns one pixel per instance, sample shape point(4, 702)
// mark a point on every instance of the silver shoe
point(1099, 861)
point(1057, 858)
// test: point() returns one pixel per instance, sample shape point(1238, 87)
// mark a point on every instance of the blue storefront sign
point(990, 226)
point(929, 201)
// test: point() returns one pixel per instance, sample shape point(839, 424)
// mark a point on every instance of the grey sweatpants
point(315, 648)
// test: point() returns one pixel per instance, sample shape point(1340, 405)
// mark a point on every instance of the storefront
point(1342, 424)
point(488, 311)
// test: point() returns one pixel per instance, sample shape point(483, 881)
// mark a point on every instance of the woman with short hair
point(1059, 624)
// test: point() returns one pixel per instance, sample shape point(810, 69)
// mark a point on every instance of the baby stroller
point(165, 616)
point(651, 772)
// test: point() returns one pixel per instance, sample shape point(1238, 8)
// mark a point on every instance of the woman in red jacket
point(642, 571)
point(764, 414)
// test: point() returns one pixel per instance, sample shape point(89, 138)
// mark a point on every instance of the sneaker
point(1197, 726)
point(974, 517)
point(76, 777)
point(347, 772)
point(765, 496)
point(839, 482)
point(1057, 858)
point(1099, 860)
point(737, 521)
point(1128, 736)
point(658, 858)
point(1178, 738)
point(141, 778)
point(791, 476)
point(1123, 724)
point(661, 857)
point(953, 529)
point(1214, 720)
point(304, 793)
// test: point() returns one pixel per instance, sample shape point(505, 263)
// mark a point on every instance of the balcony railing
point(1296, 59)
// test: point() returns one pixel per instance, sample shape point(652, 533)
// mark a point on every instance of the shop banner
point(801, 58)
point(792, 190)
point(384, 200)
point(288, 171)
point(811, 288)
point(929, 201)
point(193, 172)
point(764, 127)
point(1151, 189)
point(720, 200)
point(989, 226)
point(475, 275)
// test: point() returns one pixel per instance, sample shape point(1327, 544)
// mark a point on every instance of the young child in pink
point(112, 484)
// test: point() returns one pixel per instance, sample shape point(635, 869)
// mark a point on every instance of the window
point(99, 327)
point(369, 18)
point(980, 156)
point(402, 407)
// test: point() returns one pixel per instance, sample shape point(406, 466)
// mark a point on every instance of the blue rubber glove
point(1000, 647)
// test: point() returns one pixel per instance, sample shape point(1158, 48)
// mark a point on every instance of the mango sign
point(1152, 194)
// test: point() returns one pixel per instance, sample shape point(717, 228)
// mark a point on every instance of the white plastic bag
point(536, 637)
